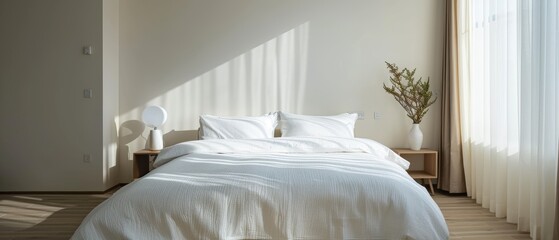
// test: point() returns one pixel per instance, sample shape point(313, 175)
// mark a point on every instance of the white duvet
point(282, 188)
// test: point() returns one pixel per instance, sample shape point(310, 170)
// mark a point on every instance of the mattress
point(282, 188)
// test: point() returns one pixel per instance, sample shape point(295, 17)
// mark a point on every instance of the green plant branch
point(413, 96)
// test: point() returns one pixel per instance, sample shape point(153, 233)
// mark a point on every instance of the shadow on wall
point(110, 154)
point(269, 77)
point(266, 78)
point(173, 137)
point(128, 132)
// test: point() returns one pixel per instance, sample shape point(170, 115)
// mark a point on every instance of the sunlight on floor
point(23, 214)
point(35, 216)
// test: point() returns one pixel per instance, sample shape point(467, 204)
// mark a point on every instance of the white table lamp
point(154, 117)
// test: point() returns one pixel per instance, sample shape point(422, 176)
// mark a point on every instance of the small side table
point(430, 164)
point(140, 164)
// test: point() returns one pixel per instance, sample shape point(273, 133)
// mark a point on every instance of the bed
point(274, 188)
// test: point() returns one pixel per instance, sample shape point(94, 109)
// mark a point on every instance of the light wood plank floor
point(44, 216)
point(56, 216)
point(468, 220)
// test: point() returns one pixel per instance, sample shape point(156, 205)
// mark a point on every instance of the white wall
point(193, 57)
point(47, 124)
point(110, 92)
point(252, 57)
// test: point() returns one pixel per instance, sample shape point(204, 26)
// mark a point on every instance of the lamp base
point(155, 140)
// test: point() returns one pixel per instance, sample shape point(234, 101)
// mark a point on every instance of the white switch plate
point(360, 115)
point(88, 93)
point(86, 158)
point(88, 50)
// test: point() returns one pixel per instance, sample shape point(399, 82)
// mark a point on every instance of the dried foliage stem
point(414, 96)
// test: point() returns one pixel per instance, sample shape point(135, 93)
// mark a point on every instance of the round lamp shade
point(154, 116)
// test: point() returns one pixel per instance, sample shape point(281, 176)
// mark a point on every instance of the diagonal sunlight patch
point(23, 214)
point(266, 78)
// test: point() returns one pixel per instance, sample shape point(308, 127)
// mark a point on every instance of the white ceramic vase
point(155, 139)
point(415, 138)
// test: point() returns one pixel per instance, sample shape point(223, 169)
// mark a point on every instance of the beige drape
point(556, 225)
point(451, 166)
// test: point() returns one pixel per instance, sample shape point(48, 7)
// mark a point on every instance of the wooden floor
point(56, 216)
point(44, 216)
point(468, 220)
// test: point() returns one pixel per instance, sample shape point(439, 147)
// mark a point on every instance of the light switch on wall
point(360, 115)
point(87, 50)
point(87, 93)
point(86, 158)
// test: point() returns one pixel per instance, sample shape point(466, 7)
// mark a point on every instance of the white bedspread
point(283, 188)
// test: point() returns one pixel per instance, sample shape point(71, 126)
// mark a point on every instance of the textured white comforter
point(283, 188)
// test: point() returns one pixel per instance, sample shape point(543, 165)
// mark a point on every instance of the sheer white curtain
point(509, 58)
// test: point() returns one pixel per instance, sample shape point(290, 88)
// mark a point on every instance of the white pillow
point(214, 127)
point(294, 125)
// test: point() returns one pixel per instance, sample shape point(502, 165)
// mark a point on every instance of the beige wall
point(193, 57)
point(110, 92)
point(252, 57)
point(47, 125)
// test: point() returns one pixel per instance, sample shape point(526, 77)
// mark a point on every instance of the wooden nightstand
point(140, 164)
point(430, 164)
